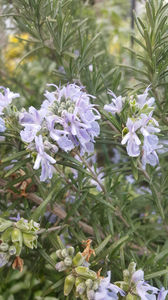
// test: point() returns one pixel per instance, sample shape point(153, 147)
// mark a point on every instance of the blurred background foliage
point(85, 42)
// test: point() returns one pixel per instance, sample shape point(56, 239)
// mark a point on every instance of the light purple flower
point(32, 122)
point(144, 290)
point(91, 68)
point(107, 290)
point(2, 125)
point(15, 218)
point(149, 148)
point(6, 98)
point(142, 99)
point(74, 124)
point(44, 160)
point(148, 124)
point(162, 294)
point(131, 138)
point(116, 105)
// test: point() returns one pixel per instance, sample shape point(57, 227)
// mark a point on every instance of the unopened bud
point(90, 294)
point(78, 281)
point(64, 253)
point(33, 226)
point(126, 275)
point(69, 103)
point(68, 284)
point(58, 253)
point(70, 110)
point(6, 235)
point(132, 268)
point(4, 224)
point(60, 266)
point(4, 247)
point(12, 250)
point(95, 285)
point(89, 283)
point(81, 288)
point(71, 251)
point(30, 240)
point(18, 248)
point(68, 261)
point(85, 272)
point(16, 236)
point(23, 224)
point(78, 259)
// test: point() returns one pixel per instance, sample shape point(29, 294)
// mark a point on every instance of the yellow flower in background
point(114, 46)
point(14, 50)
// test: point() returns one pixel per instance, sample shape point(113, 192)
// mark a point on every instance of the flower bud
point(85, 272)
point(30, 240)
point(16, 236)
point(70, 110)
point(60, 266)
point(23, 224)
point(12, 250)
point(126, 275)
point(68, 261)
point(58, 253)
point(4, 247)
point(132, 268)
point(68, 284)
point(95, 285)
point(4, 258)
point(18, 248)
point(78, 259)
point(34, 226)
point(4, 224)
point(89, 283)
point(90, 294)
point(81, 288)
point(78, 281)
point(64, 253)
point(71, 251)
point(6, 235)
point(69, 103)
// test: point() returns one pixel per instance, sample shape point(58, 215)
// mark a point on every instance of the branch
point(57, 210)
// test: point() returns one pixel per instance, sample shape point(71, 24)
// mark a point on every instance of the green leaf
point(47, 257)
point(161, 255)
point(102, 245)
point(41, 208)
point(156, 274)
point(14, 156)
point(17, 166)
point(28, 54)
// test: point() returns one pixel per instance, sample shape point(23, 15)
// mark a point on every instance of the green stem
point(117, 210)
point(154, 191)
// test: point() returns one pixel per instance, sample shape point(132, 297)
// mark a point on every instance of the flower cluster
point(135, 285)
point(65, 120)
point(14, 235)
point(81, 280)
point(141, 128)
point(5, 100)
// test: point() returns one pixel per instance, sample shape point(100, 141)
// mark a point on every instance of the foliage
point(110, 197)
